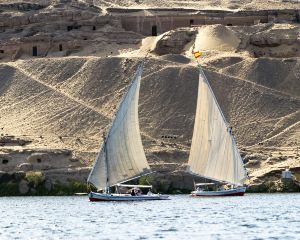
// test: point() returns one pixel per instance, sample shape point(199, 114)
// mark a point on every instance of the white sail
point(214, 154)
point(122, 156)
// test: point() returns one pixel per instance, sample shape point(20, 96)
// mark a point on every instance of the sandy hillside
point(66, 99)
point(67, 103)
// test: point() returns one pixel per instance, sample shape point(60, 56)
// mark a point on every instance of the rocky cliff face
point(56, 105)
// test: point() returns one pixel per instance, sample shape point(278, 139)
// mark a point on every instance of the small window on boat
point(229, 24)
point(94, 28)
point(69, 28)
point(39, 160)
point(4, 161)
point(1, 51)
point(191, 21)
point(60, 47)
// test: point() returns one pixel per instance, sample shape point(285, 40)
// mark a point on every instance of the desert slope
point(67, 103)
point(92, 88)
point(65, 65)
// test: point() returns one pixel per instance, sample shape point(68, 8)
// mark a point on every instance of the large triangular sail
point(214, 154)
point(122, 156)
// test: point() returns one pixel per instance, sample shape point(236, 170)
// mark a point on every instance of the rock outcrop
point(23, 187)
point(281, 41)
point(174, 42)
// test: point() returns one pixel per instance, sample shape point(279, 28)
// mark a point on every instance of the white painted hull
point(95, 197)
point(222, 193)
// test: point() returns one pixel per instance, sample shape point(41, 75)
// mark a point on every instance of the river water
point(254, 216)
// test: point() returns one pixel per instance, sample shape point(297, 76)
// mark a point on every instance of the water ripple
point(254, 216)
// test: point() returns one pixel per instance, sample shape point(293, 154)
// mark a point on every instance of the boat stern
point(221, 193)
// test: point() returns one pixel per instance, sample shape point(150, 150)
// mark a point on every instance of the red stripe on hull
point(224, 195)
point(97, 200)
point(125, 200)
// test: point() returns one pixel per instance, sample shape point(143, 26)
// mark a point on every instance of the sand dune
point(81, 98)
point(216, 37)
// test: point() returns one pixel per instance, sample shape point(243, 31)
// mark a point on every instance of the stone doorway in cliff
point(34, 51)
point(4, 161)
point(154, 30)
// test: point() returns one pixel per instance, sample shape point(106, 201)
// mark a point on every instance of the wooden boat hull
point(222, 193)
point(99, 197)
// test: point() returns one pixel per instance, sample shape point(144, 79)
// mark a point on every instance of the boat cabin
point(134, 190)
point(212, 186)
point(204, 186)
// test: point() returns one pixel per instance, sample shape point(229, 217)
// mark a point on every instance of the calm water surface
point(254, 216)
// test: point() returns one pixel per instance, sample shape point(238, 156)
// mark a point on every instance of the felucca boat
point(214, 154)
point(121, 157)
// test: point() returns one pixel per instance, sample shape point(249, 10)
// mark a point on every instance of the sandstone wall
point(56, 33)
point(166, 22)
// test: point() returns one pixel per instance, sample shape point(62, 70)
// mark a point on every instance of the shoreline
point(35, 184)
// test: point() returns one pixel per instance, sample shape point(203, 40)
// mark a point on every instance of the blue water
point(254, 216)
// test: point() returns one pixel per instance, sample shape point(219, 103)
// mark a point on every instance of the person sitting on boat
point(138, 192)
point(132, 192)
point(149, 193)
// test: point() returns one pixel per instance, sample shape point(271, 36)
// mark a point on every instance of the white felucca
point(214, 154)
point(121, 157)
